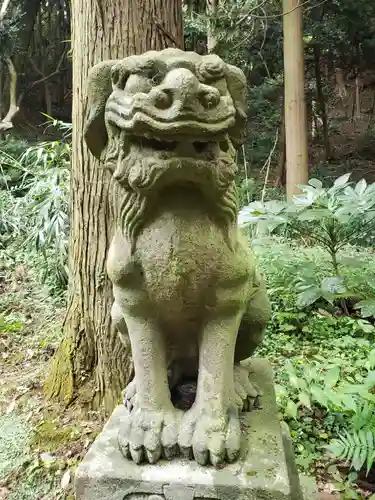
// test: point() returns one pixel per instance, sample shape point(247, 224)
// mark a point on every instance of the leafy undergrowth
point(40, 443)
point(324, 363)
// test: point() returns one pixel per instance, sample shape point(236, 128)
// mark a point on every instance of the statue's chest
point(186, 259)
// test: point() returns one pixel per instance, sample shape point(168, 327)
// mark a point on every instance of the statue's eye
point(119, 76)
point(211, 69)
point(138, 83)
point(157, 78)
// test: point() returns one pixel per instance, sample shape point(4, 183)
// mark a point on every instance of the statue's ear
point(237, 86)
point(99, 88)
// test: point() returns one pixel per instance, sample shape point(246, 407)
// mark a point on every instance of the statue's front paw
point(211, 435)
point(247, 394)
point(129, 395)
point(149, 434)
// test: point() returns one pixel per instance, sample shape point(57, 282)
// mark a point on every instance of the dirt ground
point(40, 443)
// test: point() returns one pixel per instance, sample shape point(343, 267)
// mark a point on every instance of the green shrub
point(34, 225)
point(331, 218)
point(323, 361)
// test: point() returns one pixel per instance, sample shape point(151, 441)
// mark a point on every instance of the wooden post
point(295, 104)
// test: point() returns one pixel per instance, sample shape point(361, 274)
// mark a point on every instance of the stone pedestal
point(265, 471)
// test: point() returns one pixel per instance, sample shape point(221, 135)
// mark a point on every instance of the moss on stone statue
point(166, 124)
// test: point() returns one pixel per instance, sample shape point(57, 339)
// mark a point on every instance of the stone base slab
point(265, 471)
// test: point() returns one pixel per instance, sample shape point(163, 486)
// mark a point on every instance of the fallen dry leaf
point(3, 493)
point(11, 408)
point(47, 458)
point(65, 480)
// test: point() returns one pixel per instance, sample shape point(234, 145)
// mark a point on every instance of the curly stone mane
point(139, 178)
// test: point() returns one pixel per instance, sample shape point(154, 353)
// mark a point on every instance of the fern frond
point(370, 450)
point(357, 448)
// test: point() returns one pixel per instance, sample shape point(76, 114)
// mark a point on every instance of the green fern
point(364, 417)
point(357, 448)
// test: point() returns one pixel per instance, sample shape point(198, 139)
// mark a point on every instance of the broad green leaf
point(333, 284)
point(293, 378)
point(287, 327)
point(342, 180)
point(308, 296)
point(367, 307)
point(318, 395)
point(304, 399)
point(360, 187)
point(291, 409)
point(302, 384)
point(365, 326)
point(333, 397)
point(348, 402)
point(316, 183)
point(281, 390)
point(368, 396)
point(332, 376)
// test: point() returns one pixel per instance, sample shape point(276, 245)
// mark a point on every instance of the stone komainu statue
point(186, 289)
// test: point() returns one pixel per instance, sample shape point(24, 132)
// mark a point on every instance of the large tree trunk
point(92, 362)
point(295, 104)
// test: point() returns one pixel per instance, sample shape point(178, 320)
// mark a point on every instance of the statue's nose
point(182, 87)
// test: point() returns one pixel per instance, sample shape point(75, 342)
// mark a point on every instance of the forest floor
point(352, 140)
point(41, 443)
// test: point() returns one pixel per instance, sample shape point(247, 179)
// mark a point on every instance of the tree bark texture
point(93, 363)
point(295, 104)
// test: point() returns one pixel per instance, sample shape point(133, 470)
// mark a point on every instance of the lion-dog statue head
point(164, 118)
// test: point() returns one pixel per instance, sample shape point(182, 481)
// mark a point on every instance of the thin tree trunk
point(30, 9)
point(295, 104)
point(211, 37)
point(281, 175)
point(92, 361)
point(357, 83)
point(357, 99)
point(309, 114)
point(321, 102)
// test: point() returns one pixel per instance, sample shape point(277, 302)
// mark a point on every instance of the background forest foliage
point(317, 253)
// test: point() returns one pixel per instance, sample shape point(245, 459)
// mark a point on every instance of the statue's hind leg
point(178, 371)
point(250, 335)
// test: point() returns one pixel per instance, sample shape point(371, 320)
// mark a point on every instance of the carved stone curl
point(186, 289)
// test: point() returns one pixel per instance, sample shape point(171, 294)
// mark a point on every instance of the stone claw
point(150, 434)
point(247, 394)
point(129, 395)
point(211, 435)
